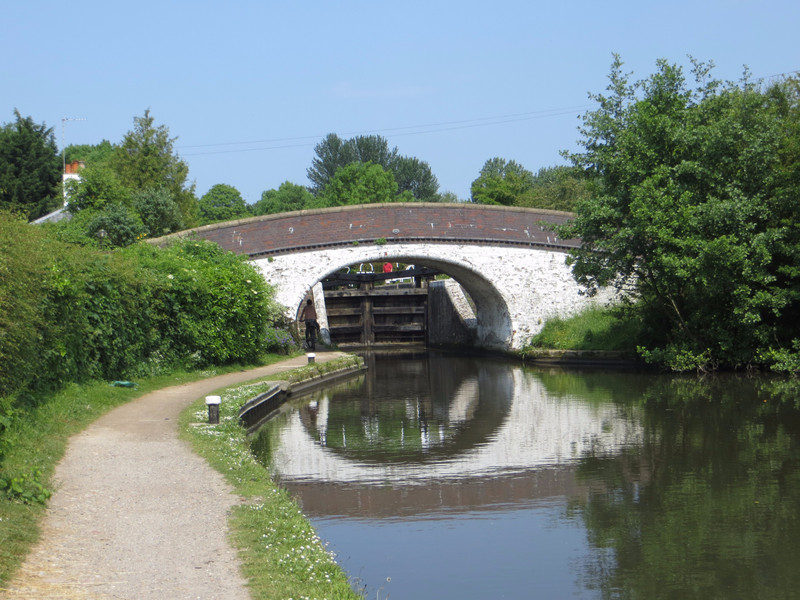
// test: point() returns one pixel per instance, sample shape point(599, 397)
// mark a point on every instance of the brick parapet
point(396, 223)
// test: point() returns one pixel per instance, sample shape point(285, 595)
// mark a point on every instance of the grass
point(282, 556)
point(595, 329)
point(37, 439)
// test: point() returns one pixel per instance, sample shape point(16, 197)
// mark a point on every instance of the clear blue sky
point(250, 87)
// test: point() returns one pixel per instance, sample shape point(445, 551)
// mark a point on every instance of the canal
point(440, 476)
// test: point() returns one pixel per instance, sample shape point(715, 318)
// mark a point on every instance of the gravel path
point(136, 514)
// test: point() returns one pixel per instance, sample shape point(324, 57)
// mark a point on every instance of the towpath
point(136, 514)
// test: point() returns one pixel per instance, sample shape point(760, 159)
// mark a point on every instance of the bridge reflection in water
point(476, 479)
point(437, 435)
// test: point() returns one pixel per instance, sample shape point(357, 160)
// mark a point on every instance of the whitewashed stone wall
point(515, 290)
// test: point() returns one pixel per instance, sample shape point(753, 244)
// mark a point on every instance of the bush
point(69, 313)
point(279, 337)
point(98, 318)
point(24, 273)
point(208, 304)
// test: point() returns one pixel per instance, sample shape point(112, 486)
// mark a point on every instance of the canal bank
point(137, 514)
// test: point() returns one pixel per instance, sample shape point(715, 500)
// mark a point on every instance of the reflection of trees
point(709, 506)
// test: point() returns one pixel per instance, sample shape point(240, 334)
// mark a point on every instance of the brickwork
point(395, 223)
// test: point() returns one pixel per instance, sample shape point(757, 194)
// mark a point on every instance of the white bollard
point(311, 357)
point(213, 409)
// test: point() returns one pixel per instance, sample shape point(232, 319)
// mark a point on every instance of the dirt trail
point(136, 514)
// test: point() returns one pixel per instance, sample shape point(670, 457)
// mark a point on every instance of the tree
point(694, 202)
point(410, 174)
point(448, 196)
point(510, 184)
point(138, 186)
point(288, 197)
point(146, 160)
point(556, 188)
point(502, 182)
point(331, 155)
point(372, 148)
point(30, 168)
point(115, 226)
point(222, 203)
point(158, 211)
point(98, 186)
point(91, 154)
point(415, 176)
point(359, 183)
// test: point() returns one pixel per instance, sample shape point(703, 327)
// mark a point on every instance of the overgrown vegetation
point(73, 314)
point(131, 190)
point(694, 207)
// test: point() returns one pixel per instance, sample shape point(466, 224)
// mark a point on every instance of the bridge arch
point(295, 278)
point(510, 260)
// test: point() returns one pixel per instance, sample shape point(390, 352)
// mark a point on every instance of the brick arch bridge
point(509, 260)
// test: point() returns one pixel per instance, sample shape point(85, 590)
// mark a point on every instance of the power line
point(784, 74)
point(428, 128)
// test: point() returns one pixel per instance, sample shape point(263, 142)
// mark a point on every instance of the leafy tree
point(510, 184)
point(158, 211)
point(91, 154)
point(415, 176)
point(448, 196)
point(288, 197)
point(556, 188)
point(371, 148)
point(30, 168)
point(115, 226)
point(138, 188)
point(146, 160)
point(694, 203)
point(502, 182)
point(333, 153)
point(74, 230)
point(222, 203)
point(98, 186)
point(359, 183)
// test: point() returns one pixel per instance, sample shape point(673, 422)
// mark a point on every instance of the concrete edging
point(262, 407)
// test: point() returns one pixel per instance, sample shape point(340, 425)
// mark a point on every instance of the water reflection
point(476, 478)
point(719, 513)
point(465, 431)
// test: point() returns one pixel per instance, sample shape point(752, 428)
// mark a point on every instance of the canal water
point(434, 476)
